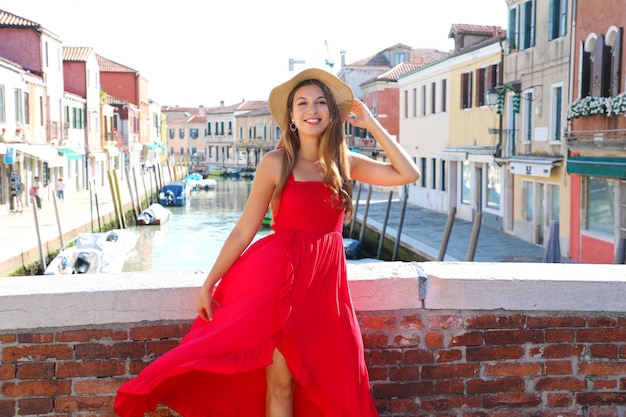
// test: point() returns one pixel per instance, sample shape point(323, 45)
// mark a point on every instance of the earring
point(292, 126)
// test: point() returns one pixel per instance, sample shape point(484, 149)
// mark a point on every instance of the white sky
point(202, 52)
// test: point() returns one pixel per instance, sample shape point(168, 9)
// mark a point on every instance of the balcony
point(600, 139)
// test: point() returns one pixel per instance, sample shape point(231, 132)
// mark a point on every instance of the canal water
point(195, 234)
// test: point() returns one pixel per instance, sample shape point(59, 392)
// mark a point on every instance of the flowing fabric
point(288, 291)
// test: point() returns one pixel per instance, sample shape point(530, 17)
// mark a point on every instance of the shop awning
point(160, 145)
point(70, 154)
point(533, 166)
point(150, 146)
point(597, 166)
point(46, 153)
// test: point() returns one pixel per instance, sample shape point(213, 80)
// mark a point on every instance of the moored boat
point(176, 193)
point(155, 214)
point(197, 182)
point(103, 252)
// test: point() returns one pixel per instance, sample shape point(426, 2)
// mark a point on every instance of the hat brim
point(277, 101)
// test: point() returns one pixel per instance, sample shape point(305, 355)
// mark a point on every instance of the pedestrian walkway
point(423, 230)
point(77, 212)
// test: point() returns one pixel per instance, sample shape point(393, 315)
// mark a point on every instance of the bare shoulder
point(271, 166)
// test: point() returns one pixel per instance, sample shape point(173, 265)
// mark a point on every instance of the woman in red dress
point(276, 333)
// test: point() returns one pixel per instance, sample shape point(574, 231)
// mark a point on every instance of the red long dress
point(289, 291)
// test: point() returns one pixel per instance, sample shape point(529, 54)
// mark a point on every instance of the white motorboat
point(198, 182)
point(155, 214)
point(94, 253)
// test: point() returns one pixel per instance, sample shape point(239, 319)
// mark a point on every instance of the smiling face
point(310, 110)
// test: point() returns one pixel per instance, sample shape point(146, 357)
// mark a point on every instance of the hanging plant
point(591, 106)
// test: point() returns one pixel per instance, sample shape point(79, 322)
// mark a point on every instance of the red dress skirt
point(288, 291)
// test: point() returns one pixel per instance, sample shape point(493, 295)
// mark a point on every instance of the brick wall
point(424, 358)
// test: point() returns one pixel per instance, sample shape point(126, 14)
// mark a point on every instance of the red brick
point(74, 404)
point(444, 322)
point(402, 405)
point(604, 351)
point(559, 368)
point(434, 339)
point(560, 384)
point(450, 403)
point(139, 365)
point(504, 369)
point(546, 322)
point(6, 339)
point(494, 353)
point(166, 331)
point(602, 368)
point(450, 355)
point(604, 384)
point(601, 322)
point(596, 399)
point(160, 347)
point(36, 338)
point(450, 371)
point(513, 401)
point(377, 374)
point(467, 339)
point(7, 372)
point(36, 388)
point(559, 399)
point(557, 351)
point(495, 322)
point(36, 353)
point(402, 390)
point(382, 322)
point(7, 408)
point(375, 340)
point(90, 369)
point(603, 412)
point(90, 335)
point(385, 357)
point(601, 335)
point(110, 351)
point(559, 335)
point(35, 406)
point(513, 337)
point(40, 370)
point(450, 386)
point(412, 322)
point(480, 386)
point(98, 386)
point(408, 373)
point(417, 356)
point(405, 340)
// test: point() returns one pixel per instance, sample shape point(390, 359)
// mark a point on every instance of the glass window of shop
point(494, 187)
point(466, 185)
point(600, 205)
point(528, 200)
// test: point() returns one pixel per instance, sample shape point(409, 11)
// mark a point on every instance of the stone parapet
point(441, 338)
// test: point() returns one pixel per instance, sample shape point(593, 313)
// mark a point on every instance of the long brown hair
point(334, 161)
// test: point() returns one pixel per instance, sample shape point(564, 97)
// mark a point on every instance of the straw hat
point(277, 101)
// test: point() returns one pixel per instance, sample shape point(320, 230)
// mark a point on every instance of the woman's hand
point(360, 115)
point(206, 302)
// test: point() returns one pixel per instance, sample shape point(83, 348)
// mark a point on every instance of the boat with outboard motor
point(154, 215)
point(103, 252)
point(176, 193)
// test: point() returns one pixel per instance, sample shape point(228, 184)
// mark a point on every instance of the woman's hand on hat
point(360, 115)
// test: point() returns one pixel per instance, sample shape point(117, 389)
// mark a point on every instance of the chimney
point(221, 103)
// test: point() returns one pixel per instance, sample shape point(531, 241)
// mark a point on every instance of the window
point(466, 90)
point(433, 173)
point(481, 87)
point(433, 95)
point(528, 200)
point(415, 102)
point(556, 116)
point(193, 134)
point(230, 128)
point(466, 185)
point(555, 201)
point(406, 104)
point(423, 100)
point(527, 117)
point(521, 31)
point(172, 135)
point(600, 66)
point(442, 175)
point(208, 129)
point(41, 110)
point(423, 167)
point(399, 57)
point(3, 114)
point(221, 128)
point(444, 85)
point(494, 187)
point(557, 19)
point(19, 109)
point(181, 133)
point(600, 201)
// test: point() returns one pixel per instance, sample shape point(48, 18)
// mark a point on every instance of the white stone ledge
point(91, 300)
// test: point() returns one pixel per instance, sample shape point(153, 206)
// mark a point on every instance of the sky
point(204, 52)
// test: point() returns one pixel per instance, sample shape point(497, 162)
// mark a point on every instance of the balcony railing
point(596, 139)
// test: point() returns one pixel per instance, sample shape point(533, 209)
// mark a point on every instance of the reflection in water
point(195, 234)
